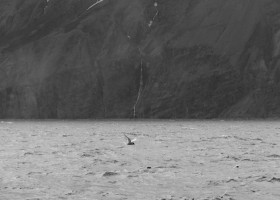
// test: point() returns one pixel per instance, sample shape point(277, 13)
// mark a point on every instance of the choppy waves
point(202, 160)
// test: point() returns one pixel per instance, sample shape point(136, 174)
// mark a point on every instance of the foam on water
point(171, 160)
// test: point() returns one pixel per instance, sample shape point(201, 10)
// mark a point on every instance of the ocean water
point(88, 160)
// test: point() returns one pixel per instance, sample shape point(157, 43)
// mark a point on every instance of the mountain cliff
point(139, 58)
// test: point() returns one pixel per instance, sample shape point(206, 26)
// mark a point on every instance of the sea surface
point(88, 160)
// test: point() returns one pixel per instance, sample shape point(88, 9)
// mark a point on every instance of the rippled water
point(234, 160)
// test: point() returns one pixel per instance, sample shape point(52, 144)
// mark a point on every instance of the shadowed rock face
point(199, 59)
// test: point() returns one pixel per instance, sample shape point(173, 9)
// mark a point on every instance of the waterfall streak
point(155, 14)
point(46, 6)
point(141, 73)
point(97, 2)
point(139, 90)
point(152, 21)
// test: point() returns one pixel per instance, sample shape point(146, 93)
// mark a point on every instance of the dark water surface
point(49, 160)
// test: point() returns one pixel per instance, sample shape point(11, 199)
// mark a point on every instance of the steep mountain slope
point(120, 58)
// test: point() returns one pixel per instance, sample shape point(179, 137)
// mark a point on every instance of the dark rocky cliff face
point(172, 59)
